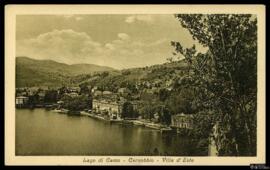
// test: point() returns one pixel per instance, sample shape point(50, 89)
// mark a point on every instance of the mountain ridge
point(29, 59)
point(32, 72)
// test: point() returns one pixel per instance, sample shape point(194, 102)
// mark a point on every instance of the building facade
point(112, 108)
point(182, 121)
point(21, 101)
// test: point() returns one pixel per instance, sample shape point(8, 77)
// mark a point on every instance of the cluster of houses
point(112, 108)
point(107, 102)
point(23, 94)
point(111, 104)
point(104, 102)
point(155, 84)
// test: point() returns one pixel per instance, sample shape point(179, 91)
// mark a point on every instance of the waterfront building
point(21, 101)
point(182, 121)
point(112, 108)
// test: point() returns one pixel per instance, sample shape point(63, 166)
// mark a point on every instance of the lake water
point(43, 132)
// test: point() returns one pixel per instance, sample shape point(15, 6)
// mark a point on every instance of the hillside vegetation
point(150, 77)
point(31, 72)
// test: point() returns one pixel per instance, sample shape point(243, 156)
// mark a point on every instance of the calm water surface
point(43, 132)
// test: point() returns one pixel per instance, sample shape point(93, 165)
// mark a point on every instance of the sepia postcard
point(135, 85)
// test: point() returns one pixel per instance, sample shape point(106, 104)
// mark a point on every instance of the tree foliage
point(164, 116)
point(84, 89)
point(77, 103)
point(128, 111)
point(225, 78)
point(50, 96)
point(181, 101)
point(33, 100)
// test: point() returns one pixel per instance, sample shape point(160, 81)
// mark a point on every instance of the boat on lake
point(84, 113)
point(61, 110)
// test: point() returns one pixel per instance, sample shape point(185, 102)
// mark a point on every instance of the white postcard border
point(10, 24)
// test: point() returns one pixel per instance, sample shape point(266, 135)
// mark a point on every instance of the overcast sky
point(118, 41)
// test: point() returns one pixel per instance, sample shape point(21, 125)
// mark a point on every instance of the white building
point(113, 108)
point(21, 101)
point(182, 121)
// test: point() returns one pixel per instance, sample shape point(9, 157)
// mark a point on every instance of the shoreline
point(142, 123)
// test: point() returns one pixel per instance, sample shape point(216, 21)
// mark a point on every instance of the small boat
point(84, 113)
point(64, 111)
point(56, 110)
point(61, 110)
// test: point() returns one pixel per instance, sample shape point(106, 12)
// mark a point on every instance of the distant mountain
point(31, 72)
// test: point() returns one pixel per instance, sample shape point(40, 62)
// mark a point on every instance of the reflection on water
point(42, 132)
